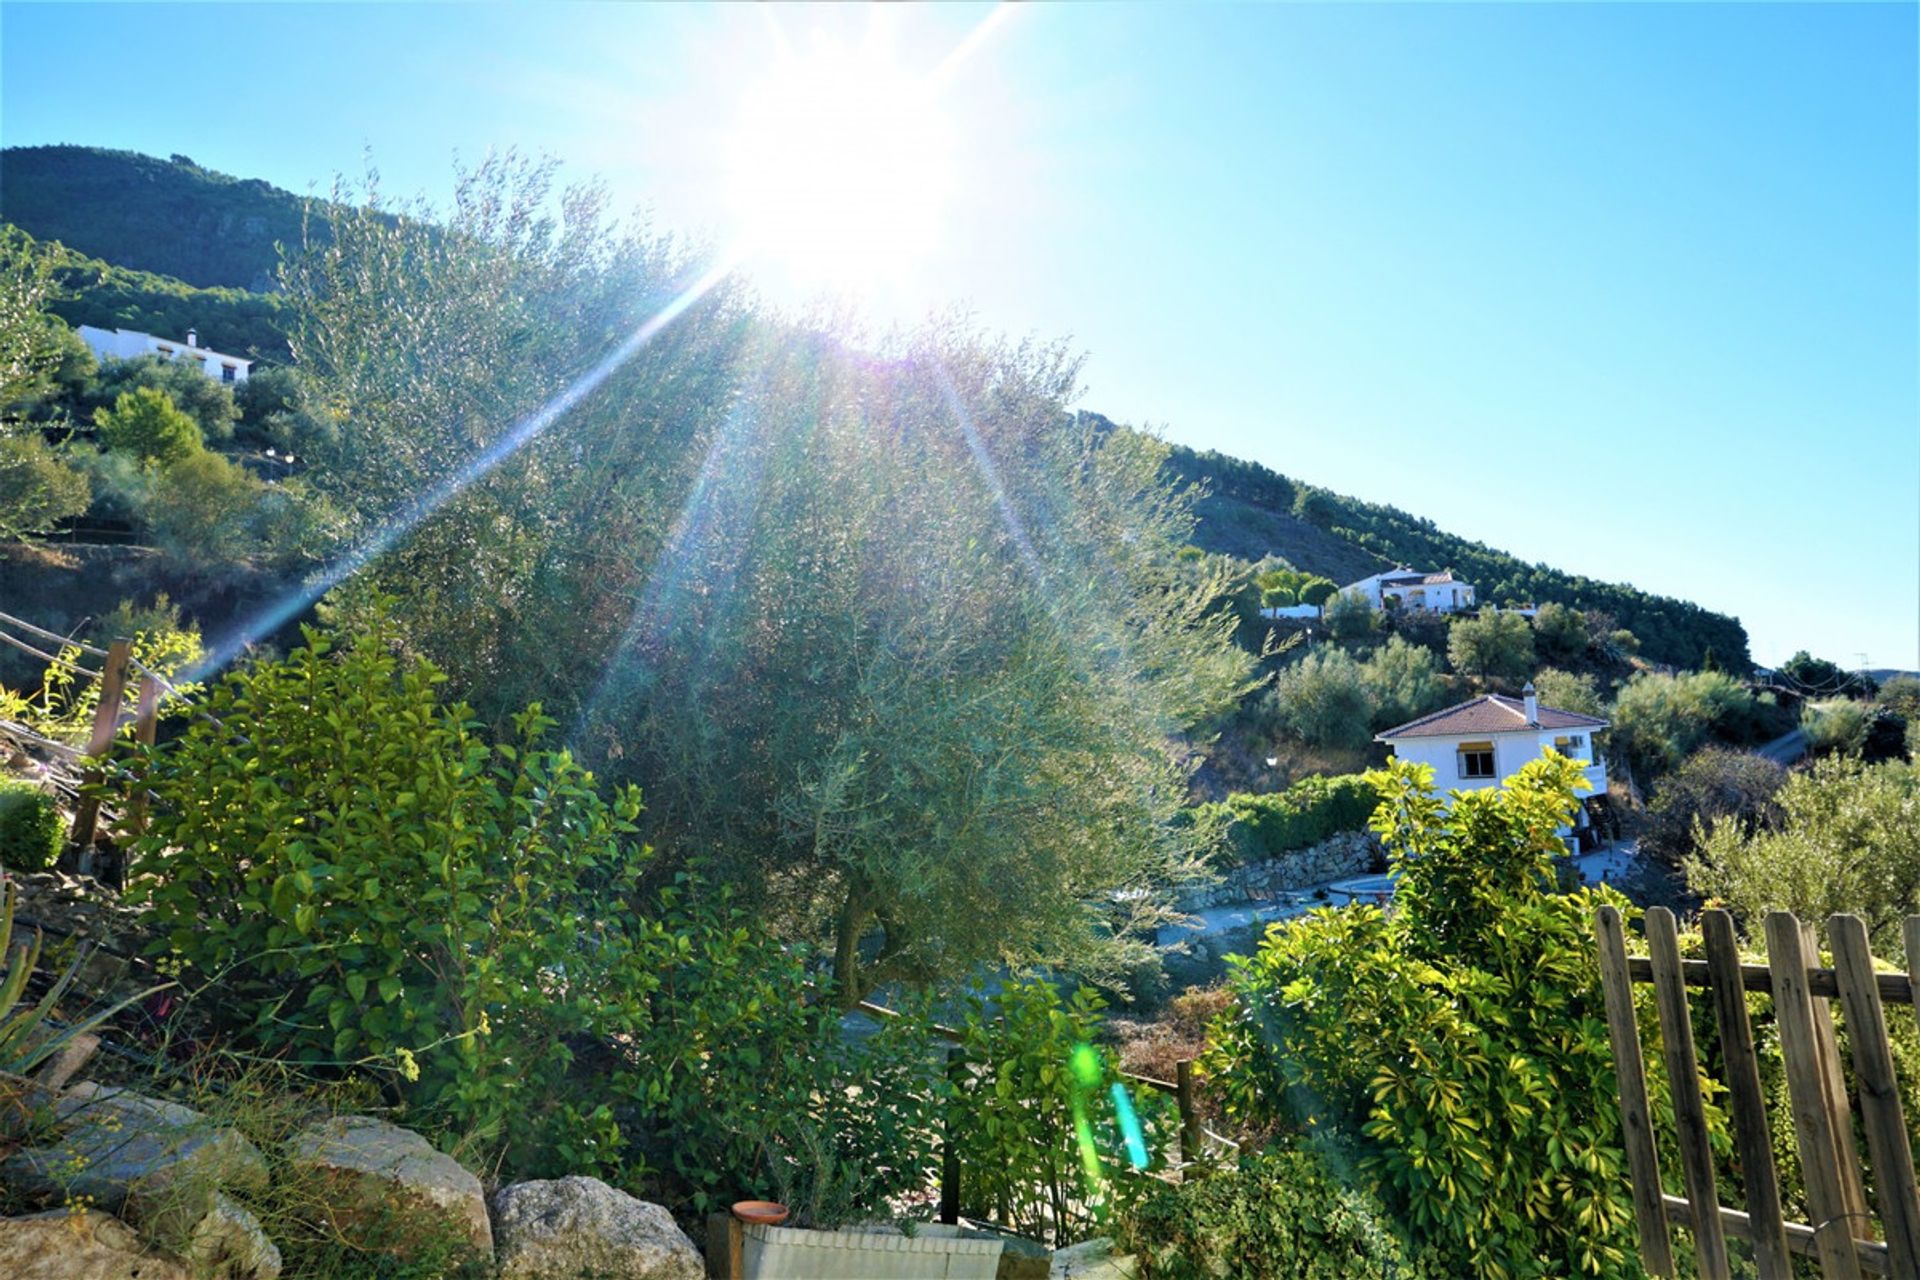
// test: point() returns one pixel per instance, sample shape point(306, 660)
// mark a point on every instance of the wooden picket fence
point(1847, 1237)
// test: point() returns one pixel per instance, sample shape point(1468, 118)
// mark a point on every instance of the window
point(1476, 759)
point(1571, 746)
point(227, 372)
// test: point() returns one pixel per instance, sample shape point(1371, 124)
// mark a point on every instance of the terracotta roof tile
point(1490, 713)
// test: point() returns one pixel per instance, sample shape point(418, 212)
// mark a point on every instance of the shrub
point(1569, 691)
point(1660, 720)
point(410, 895)
point(1349, 615)
point(1837, 725)
point(1843, 842)
point(201, 510)
point(1324, 699)
point(462, 921)
point(1404, 680)
point(1311, 810)
point(1458, 1044)
point(208, 401)
point(1037, 1121)
point(38, 489)
point(1560, 632)
point(31, 833)
point(1712, 787)
point(146, 424)
point(1493, 645)
point(1282, 1214)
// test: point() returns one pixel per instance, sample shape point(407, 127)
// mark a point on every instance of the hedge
point(1311, 810)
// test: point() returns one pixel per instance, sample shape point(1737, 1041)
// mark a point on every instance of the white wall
point(127, 344)
point(1511, 752)
point(1291, 611)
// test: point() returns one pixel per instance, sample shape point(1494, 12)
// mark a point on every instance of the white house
point(1483, 742)
point(1415, 591)
point(126, 344)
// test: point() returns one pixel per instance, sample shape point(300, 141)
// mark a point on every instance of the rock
point(230, 1244)
point(1024, 1259)
point(157, 1162)
point(378, 1175)
point(581, 1226)
point(59, 1245)
point(57, 1070)
point(1092, 1260)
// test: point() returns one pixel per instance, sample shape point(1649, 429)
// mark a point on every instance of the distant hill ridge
point(178, 244)
point(1254, 511)
point(170, 217)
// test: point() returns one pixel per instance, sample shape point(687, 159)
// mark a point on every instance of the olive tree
point(1492, 645)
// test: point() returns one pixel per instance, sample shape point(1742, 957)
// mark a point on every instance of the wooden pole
point(106, 718)
point(1886, 1121)
point(1636, 1120)
point(1813, 1120)
point(145, 727)
point(1193, 1139)
point(1752, 1135)
point(1683, 1079)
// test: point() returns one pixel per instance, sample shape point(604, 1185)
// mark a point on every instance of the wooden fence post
point(1752, 1136)
point(1814, 1122)
point(1193, 1139)
point(1636, 1121)
point(106, 718)
point(1886, 1122)
point(1683, 1080)
point(145, 726)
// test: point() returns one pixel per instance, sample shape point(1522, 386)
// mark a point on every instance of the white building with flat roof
point(129, 344)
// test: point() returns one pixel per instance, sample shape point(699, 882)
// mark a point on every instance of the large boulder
point(1093, 1260)
point(583, 1227)
point(381, 1179)
point(58, 1245)
point(156, 1162)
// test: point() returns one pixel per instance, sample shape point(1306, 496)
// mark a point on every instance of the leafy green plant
point(1459, 1043)
point(370, 882)
point(1280, 822)
point(1032, 1079)
point(31, 832)
point(146, 424)
point(1291, 1212)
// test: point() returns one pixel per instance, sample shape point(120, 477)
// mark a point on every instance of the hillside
point(163, 244)
point(96, 292)
point(1255, 511)
point(170, 217)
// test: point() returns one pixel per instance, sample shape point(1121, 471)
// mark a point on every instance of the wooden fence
point(1847, 1237)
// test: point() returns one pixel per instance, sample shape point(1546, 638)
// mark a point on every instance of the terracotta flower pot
point(766, 1213)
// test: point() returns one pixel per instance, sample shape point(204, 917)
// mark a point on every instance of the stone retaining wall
point(1351, 853)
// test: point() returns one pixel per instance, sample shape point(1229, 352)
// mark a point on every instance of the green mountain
point(169, 217)
point(1254, 511)
point(164, 245)
point(98, 293)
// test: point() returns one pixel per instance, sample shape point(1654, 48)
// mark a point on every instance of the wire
point(24, 647)
point(45, 634)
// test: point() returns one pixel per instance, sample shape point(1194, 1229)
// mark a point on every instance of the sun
point(841, 167)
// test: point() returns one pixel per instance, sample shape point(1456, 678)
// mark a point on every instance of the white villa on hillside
point(1483, 742)
point(1415, 591)
point(126, 344)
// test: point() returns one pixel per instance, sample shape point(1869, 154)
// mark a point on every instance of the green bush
point(31, 832)
point(1459, 1044)
point(364, 884)
point(1324, 699)
point(1560, 632)
point(1349, 615)
point(1836, 726)
point(1659, 720)
point(38, 488)
point(1311, 810)
point(1493, 645)
point(1712, 787)
point(201, 510)
point(1035, 1123)
point(1283, 1214)
point(146, 424)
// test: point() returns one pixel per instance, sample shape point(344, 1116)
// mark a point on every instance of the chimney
point(193, 337)
point(1533, 704)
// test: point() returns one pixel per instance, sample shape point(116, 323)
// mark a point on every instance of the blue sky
point(1628, 289)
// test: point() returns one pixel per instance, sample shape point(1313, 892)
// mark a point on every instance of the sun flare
point(841, 167)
